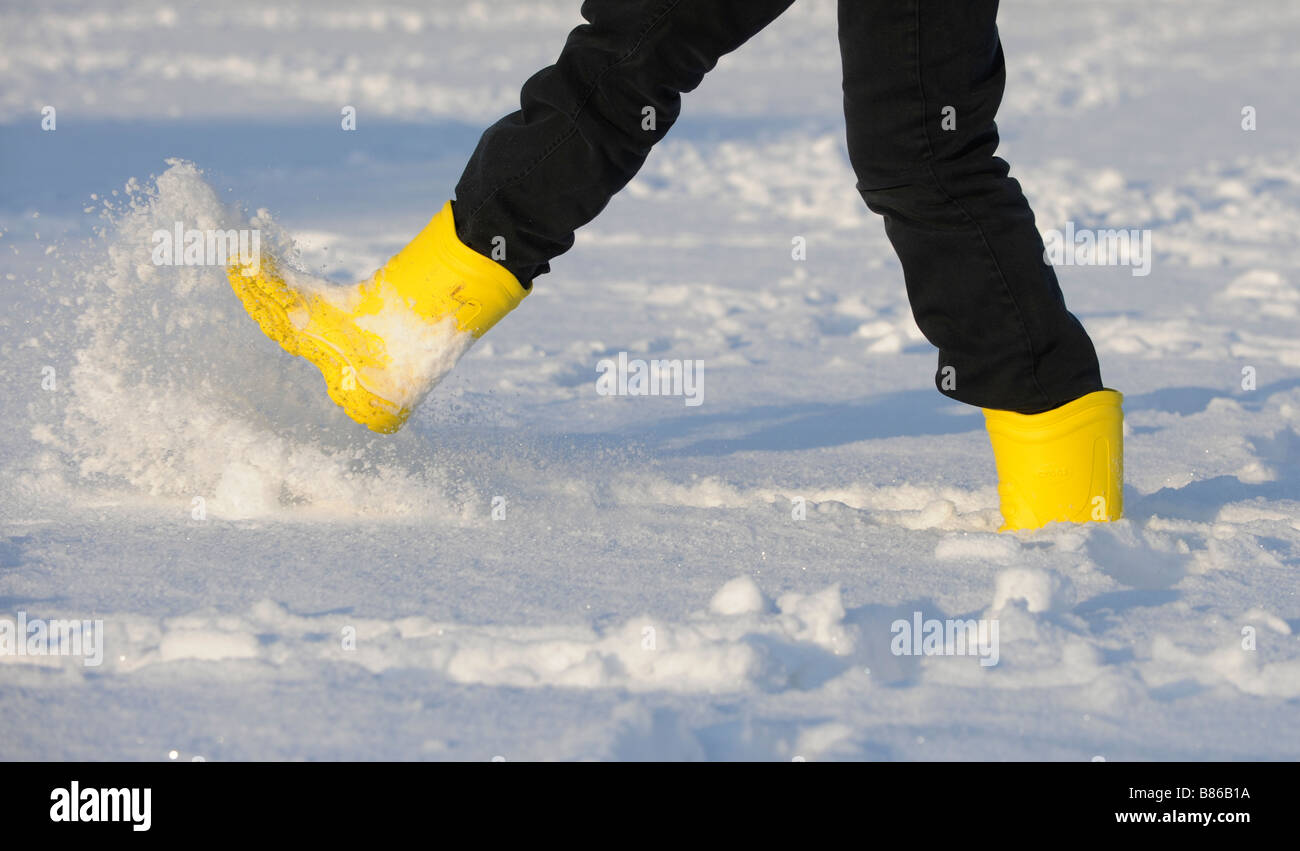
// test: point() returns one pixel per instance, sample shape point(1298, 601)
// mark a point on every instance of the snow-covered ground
point(660, 580)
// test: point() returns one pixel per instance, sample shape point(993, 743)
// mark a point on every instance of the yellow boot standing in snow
point(1066, 464)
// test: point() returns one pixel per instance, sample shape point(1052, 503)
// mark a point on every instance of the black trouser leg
point(583, 129)
point(972, 258)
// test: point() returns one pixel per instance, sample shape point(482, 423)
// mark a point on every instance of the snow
point(1040, 590)
point(740, 596)
point(532, 570)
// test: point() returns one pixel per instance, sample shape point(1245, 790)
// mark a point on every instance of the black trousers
point(972, 258)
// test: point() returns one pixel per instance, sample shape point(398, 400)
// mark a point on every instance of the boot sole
point(269, 301)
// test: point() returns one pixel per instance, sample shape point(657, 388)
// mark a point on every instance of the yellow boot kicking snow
point(384, 343)
point(1064, 464)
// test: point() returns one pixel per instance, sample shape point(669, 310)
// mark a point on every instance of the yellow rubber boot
point(1066, 464)
point(382, 344)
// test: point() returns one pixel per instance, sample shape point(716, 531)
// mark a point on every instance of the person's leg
point(922, 83)
point(587, 123)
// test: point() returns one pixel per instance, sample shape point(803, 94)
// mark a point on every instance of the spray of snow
point(176, 394)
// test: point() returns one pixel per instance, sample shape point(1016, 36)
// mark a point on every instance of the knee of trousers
point(909, 197)
point(889, 154)
point(628, 105)
point(931, 190)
